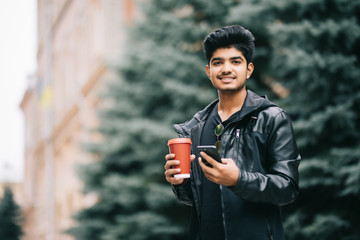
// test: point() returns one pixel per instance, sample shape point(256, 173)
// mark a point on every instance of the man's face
point(228, 70)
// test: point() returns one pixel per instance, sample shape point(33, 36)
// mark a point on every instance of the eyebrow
point(232, 58)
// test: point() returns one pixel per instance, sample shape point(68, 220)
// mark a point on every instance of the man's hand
point(225, 173)
point(170, 171)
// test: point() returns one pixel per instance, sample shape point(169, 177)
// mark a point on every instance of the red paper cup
point(181, 147)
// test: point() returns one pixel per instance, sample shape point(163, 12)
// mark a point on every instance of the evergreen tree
point(10, 217)
point(312, 47)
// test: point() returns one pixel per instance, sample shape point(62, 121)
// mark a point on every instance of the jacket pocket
point(243, 151)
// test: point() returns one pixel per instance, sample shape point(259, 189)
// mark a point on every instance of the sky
point(17, 61)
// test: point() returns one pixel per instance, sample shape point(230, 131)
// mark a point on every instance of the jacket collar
point(253, 103)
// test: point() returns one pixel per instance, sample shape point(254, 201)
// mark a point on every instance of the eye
point(216, 63)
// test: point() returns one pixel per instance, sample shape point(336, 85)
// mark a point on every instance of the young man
point(241, 197)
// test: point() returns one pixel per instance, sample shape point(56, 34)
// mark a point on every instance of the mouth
point(226, 78)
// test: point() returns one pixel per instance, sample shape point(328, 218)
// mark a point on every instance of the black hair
point(230, 36)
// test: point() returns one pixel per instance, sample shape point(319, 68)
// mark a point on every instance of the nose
point(226, 69)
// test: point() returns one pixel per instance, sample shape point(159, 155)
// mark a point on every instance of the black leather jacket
point(262, 144)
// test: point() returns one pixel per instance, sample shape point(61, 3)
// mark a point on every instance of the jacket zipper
point(222, 204)
point(222, 212)
point(269, 229)
point(221, 196)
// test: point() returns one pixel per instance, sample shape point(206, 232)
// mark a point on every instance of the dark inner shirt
point(211, 222)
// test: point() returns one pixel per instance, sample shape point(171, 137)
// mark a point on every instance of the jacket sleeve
point(183, 193)
point(279, 185)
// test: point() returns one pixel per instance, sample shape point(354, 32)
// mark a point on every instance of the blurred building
point(77, 39)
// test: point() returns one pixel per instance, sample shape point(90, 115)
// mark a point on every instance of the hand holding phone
point(211, 151)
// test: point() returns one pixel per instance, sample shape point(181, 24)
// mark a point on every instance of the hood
point(254, 103)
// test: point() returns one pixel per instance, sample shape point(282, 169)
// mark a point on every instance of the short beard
point(233, 90)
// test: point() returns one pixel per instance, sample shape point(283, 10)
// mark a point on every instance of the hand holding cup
point(177, 166)
point(170, 169)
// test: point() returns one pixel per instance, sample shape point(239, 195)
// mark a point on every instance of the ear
point(250, 69)
point(207, 69)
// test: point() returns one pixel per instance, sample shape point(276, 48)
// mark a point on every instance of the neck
point(230, 103)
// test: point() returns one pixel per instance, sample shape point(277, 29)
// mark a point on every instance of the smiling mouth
point(226, 78)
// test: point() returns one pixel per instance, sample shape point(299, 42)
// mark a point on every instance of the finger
point(203, 166)
point(170, 163)
point(208, 171)
point(209, 159)
point(169, 175)
point(170, 172)
point(192, 157)
point(200, 162)
point(175, 181)
point(169, 156)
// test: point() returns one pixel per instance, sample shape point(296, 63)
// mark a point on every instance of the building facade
point(77, 40)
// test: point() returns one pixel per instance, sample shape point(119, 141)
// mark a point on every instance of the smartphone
point(211, 151)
